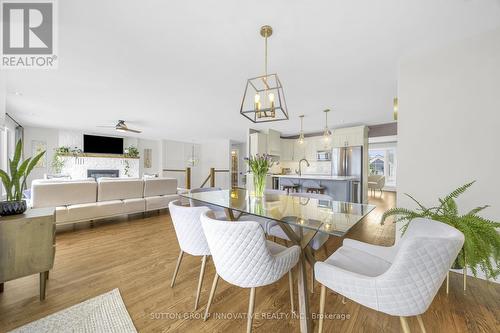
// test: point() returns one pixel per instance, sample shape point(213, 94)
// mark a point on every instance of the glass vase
point(259, 185)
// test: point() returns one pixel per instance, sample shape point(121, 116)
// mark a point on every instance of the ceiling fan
point(122, 127)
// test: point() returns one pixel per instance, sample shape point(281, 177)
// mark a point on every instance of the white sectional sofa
point(85, 200)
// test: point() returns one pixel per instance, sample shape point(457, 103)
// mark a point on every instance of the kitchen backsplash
point(315, 167)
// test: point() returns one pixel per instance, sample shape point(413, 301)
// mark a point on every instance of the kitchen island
point(340, 188)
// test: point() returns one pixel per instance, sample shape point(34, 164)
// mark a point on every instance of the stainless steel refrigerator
point(348, 161)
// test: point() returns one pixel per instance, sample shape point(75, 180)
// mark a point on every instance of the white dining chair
point(264, 223)
point(318, 241)
point(400, 280)
point(191, 238)
point(244, 258)
point(219, 211)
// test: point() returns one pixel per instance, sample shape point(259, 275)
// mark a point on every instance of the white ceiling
point(177, 69)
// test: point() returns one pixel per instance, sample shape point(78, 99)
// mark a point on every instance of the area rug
point(104, 313)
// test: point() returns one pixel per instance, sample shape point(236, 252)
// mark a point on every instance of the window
point(382, 161)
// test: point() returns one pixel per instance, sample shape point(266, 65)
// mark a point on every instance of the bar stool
point(311, 186)
point(289, 186)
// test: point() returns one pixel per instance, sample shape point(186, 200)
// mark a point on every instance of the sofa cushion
point(78, 212)
point(109, 208)
point(159, 186)
point(133, 205)
point(62, 193)
point(61, 214)
point(118, 189)
point(159, 201)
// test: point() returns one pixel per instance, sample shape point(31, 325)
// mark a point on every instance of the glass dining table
point(300, 218)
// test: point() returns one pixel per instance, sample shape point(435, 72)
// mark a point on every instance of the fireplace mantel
point(77, 166)
point(122, 156)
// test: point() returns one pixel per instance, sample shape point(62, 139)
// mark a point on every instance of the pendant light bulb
point(301, 134)
point(327, 134)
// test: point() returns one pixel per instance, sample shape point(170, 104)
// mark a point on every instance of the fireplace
point(103, 173)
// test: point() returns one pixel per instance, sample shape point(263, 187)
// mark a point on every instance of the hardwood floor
point(138, 256)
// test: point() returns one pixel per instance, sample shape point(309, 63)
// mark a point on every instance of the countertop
point(319, 177)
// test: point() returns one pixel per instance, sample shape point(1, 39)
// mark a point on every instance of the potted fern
point(482, 241)
point(15, 181)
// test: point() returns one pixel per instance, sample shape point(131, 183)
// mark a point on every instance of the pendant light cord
point(265, 59)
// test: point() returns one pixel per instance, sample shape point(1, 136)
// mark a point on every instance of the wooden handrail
point(188, 175)
point(211, 177)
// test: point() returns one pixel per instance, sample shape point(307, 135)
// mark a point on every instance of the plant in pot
point(58, 161)
point(132, 152)
point(259, 166)
point(482, 241)
point(14, 181)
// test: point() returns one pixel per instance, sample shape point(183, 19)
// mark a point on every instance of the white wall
point(155, 146)
point(3, 98)
point(48, 135)
point(216, 154)
point(213, 153)
point(448, 128)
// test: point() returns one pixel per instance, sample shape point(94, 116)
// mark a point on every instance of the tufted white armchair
point(401, 280)
point(376, 182)
point(243, 257)
point(190, 236)
point(264, 223)
point(218, 211)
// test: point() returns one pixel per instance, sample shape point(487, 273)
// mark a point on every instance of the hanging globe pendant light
point(301, 139)
point(327, 134)
point(264, 99)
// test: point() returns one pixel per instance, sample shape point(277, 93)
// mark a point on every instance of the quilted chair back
point(188, 228)
point(425, 254)
point(196, 203)
point(317, 196)
point(240, 253)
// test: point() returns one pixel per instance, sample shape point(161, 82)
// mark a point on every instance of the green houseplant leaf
point(481, 248)
point(7, 183)
point(15, 183)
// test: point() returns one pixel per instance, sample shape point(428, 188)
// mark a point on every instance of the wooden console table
point(27, 245)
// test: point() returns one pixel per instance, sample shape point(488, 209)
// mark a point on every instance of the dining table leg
point(305, 315)
point(305, 256)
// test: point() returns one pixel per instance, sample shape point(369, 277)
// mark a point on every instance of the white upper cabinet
point(273, 143)
point(258, 144)
point(311, 147)
point(351, 136)
point(299, 150)
point(287, 149)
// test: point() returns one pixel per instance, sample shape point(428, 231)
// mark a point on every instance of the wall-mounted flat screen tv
point(102, 144)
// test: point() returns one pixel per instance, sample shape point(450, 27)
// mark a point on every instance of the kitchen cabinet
point(299, 150)
point(311, 145)
point(287, 149)
point(258, 144)
point(273, 143)
point(351, 136)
